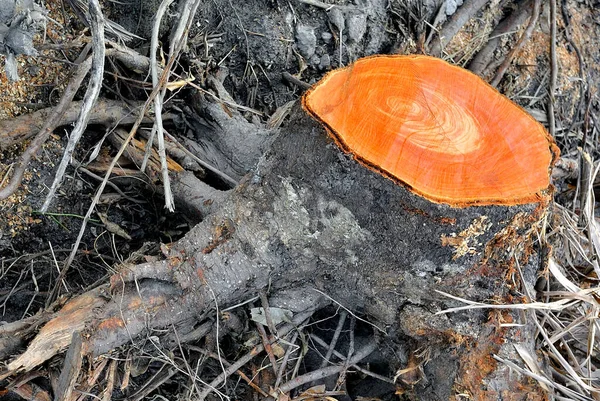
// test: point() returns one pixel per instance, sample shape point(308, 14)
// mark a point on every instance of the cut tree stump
point(308, 221)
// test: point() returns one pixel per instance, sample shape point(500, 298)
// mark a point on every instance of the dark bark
point(308, 221)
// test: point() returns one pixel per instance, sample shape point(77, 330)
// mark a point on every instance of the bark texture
point(106, 112)
point(310, 220)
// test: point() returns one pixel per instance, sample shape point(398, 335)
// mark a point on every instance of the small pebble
point(306, 40)
point(357, 26)
point(336, 17)
point(325, 62)
point(452, 5)
point(326, 36)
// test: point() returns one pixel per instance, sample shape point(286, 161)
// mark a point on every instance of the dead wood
point(480, 63)
point(92, 92)
point(312, 220)
point(537, 4)
point(464, 13)
point(105, 112)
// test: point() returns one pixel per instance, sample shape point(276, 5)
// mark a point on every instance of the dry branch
point(464, 13)
point(526, 35)
point(483, 58)
point(105, 112)
point(96, 20)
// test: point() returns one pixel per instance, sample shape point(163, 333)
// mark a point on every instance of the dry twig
point(526, 35)
point(336, 336)
point(91, 95)
point(451, 28)
point(328, 371)
point(158, 103)
point(482, 59)
point(47, 129)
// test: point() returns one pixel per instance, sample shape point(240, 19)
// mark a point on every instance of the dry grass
point(567, 308)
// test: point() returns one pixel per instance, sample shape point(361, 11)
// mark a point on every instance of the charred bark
point(310, 220)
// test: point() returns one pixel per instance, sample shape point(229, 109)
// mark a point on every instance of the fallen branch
point(517, 46)
point(96, 20)
point(482, 59)
point(105, 112)
point(454, 24)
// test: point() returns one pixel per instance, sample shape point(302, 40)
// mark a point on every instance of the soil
point(248, 46)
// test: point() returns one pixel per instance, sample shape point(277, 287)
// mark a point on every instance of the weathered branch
point(482, 59)
point(105, 112)
point(96, 20)
point(519, 44)
point(454, 24)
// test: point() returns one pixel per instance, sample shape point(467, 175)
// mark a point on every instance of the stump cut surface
point(436, 128)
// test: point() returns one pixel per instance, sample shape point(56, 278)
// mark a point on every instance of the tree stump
point(310, 220)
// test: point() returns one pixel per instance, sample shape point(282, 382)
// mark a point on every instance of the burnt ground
point(249, 46)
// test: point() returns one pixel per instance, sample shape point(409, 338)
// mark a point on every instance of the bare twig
point(91, 95)
point(267, 340)
point(342, 357)
point(524, 37)
point(509, 24)
point(458, 20)
point(293, 80)
point(178, 42)
point(292, 348)
point(158, 103)
point(335, 338)
point(553, 69)
point(325, 372)
point(342, 378)
point(49, 126)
